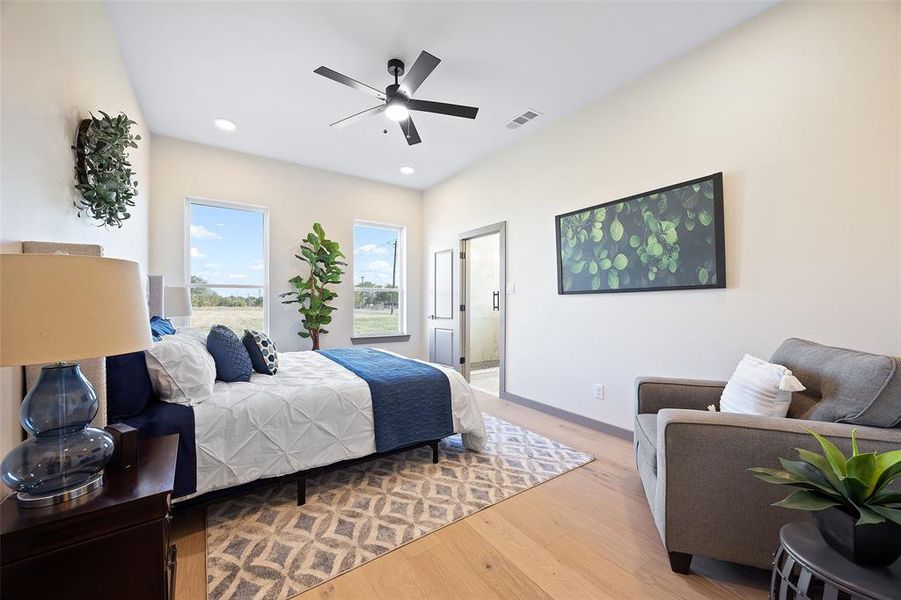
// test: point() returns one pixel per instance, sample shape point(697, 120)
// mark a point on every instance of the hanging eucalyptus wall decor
point(103, 175)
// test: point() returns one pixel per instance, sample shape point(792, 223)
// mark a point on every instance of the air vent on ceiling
point(523, 119)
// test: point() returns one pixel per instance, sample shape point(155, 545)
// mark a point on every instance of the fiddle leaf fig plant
point(103, 175)
point(858, 484)
point(311, 292)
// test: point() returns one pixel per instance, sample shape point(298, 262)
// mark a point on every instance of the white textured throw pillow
point(759, 388)
point(181, 370)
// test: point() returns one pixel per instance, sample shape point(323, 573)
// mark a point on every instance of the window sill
point(379, 339)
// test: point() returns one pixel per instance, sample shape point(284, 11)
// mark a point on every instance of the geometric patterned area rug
point(262, 545)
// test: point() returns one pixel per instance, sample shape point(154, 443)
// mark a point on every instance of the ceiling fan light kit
point(397, 109)
point(396, 99)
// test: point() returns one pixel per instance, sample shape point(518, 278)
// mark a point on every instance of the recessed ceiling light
point(225, 124)
point(407, 170)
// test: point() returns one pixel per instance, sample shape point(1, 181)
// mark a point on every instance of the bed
point(321, 408)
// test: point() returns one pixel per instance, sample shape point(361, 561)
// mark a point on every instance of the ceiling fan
point(397, 102)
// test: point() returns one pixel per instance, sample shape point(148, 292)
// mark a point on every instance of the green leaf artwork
point(659, 240)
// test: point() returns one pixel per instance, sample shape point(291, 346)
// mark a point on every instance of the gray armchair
point(693, 463)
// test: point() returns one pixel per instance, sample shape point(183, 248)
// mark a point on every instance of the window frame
point(402, 332)
point(228, 204)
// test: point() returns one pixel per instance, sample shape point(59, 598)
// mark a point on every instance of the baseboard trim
point(569, 416)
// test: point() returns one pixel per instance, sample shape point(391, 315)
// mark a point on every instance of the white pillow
point(759, 388)
point(197, 333)
point(181, 370)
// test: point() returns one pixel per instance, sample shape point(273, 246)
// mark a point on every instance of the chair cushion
point(843, 386)
point(646, 426)
point(231, 357)
point(646, 435)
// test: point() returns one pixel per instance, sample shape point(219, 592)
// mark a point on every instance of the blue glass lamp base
point(26, 500)
point(65, 457)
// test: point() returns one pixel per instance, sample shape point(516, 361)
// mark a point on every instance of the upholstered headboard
point(155, 290)
point(93, 368)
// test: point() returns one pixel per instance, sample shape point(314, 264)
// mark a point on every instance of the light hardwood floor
point(586, 534)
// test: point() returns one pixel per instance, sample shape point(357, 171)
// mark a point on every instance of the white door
point(442, 329)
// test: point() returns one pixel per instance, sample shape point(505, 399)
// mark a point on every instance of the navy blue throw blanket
point(411, 401)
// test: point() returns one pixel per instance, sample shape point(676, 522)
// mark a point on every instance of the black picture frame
point(718, 282)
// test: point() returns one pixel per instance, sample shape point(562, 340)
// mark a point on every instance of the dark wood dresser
point(112, 543)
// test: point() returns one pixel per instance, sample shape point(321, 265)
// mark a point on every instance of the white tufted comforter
point(312, 413)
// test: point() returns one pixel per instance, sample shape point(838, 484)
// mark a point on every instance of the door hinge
point(462, 255)
point(462, 360)
point(462, 308)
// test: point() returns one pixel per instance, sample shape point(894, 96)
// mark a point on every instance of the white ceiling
point(252, 62)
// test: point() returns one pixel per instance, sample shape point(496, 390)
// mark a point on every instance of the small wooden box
point(125, 451)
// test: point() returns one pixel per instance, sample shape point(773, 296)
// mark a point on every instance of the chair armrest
point(884, 438)
point(708, 502)
point(655, 393)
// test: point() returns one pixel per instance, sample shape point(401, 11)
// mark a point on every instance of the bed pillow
point(262, 352)
point(759, 388)
point(231, 357)
point(197, 333)
point(181, 370)
point(128, 386)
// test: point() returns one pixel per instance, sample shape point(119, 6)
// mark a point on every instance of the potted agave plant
point(855, 511)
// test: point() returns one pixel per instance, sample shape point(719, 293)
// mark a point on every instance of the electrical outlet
point(599, 391)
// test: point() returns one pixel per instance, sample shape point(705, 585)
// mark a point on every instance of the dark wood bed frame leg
point(434, 446)
point(301, 490)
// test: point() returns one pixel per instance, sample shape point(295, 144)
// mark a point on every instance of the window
point(378, 271)
point(227, 265)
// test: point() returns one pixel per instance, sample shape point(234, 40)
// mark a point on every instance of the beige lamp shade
point(57, 308)
point(177, 302)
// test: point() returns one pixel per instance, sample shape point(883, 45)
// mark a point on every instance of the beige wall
point(296, 197)
point(59, 61)
point(800, 109)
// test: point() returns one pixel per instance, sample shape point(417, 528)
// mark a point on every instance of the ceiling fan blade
point(422, 68)
point(344, 79)
point(454, 110)
point(409, 130)
point(359, 116)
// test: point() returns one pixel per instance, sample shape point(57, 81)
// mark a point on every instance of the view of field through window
point(227, 270)
point(378, 280)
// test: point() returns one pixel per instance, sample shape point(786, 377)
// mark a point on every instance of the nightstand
point(112, 543)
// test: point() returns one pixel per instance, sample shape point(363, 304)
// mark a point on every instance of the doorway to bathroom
point(483, 307)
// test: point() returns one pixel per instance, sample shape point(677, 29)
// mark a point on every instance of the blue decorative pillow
point(262, 352)
point(230, 355)
point(160, 327)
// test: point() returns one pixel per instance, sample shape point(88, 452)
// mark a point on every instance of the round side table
point(806, 568)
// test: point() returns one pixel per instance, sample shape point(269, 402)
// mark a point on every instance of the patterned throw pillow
point(232, 361)
point(262, 352)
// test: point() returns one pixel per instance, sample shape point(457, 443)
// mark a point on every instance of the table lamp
point(176, 302)
point(56, 309)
